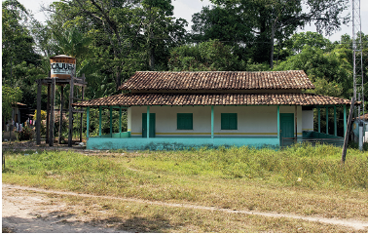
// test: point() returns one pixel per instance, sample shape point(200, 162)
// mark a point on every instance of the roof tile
point(217, 80)
point(214, 99)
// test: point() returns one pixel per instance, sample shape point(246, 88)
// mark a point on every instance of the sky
point(186, 8)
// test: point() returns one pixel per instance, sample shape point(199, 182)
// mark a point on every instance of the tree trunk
point(272, 47)
point(273, 29)
point(151, 59)
point(118, 79)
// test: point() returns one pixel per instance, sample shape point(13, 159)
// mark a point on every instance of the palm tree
point(73, 43)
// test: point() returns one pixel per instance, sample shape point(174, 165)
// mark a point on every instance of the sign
point(62, 68)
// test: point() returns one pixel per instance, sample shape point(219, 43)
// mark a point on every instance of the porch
point(151, 139)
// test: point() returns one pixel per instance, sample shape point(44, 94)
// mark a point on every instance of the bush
point(26, 134)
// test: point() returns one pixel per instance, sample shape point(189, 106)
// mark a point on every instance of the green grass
point(300, 179)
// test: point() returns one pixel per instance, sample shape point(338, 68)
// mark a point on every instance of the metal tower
point(357, 55)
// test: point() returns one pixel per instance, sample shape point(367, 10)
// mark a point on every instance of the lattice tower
point(357, 56)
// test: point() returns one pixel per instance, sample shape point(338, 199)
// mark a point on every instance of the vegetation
point(144, 35)
point(145, 217)
point(301, 179)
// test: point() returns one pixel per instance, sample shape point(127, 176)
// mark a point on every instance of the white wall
point(308, 120)
point(252, 120)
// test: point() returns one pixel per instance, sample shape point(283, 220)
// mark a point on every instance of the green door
point(152, 125)
point(287, 125)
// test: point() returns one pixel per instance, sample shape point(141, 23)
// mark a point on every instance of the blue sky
point(186, 8)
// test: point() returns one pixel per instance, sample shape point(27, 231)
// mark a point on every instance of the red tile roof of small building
point(214, 99)
point(217, 80)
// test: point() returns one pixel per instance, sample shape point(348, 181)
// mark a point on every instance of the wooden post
point(52, 112)
point(39, 120)
point(327, 120)
point(81, 117)
point(343, 157)
point(61, 113)
point(120, 121)
point(100, 120)
point(70, 137)
point(110, 121)
point(296, 124)
point(48, 113)
point(344, 120)
point(278, 125)
point(212, 121)
point(335, 123)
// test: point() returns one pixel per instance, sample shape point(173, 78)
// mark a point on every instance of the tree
point(331, 72)
point(73, 43)
point(272, 20)
point(313, 39)
point(205, 56)
point(225, 24)
point(10, 97)
point(128, 35)
point(22, 65)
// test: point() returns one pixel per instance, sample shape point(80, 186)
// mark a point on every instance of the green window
point(229, 121)
point(185, 121)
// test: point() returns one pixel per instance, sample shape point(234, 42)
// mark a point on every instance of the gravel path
point(18, 208)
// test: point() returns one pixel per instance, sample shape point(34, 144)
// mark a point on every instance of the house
point(178, 110)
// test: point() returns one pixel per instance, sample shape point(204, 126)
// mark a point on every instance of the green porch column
point(344, 120)
point(278, 124)
point(327, 120)
point(120, 121)
point(319, 120)
point(212, 121)
point(335, 123)
point(148, 119)
point(87, 134)
point(111, 121)
point(100, 121)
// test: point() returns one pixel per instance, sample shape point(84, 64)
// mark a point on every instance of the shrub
point(26, 134)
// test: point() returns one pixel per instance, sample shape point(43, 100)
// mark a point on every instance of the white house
point(176, 110)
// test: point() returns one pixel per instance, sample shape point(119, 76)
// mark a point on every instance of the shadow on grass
point(61, 222)
point(140, 224)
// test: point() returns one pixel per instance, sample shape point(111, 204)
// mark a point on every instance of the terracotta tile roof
point(217, 80)
point(214, 99)
point(364, 117)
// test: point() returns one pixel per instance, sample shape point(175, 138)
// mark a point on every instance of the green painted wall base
point(177, 143)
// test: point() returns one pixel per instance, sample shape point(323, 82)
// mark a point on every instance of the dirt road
point(27, 209)
point(29, 212)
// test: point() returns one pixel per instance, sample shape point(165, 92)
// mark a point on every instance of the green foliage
point(73, 43)
point(268, 21)
point(20, 61)
point(313, 39)
point(205, 56)
point(10, 96)
point(330, 72)
point(26, 134)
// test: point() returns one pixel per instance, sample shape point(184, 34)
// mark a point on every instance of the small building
point(179, 110)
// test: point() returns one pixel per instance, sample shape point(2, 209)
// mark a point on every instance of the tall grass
point(298, 165)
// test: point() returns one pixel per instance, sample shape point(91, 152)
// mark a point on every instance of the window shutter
point(185, 121)
point(229, 121)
